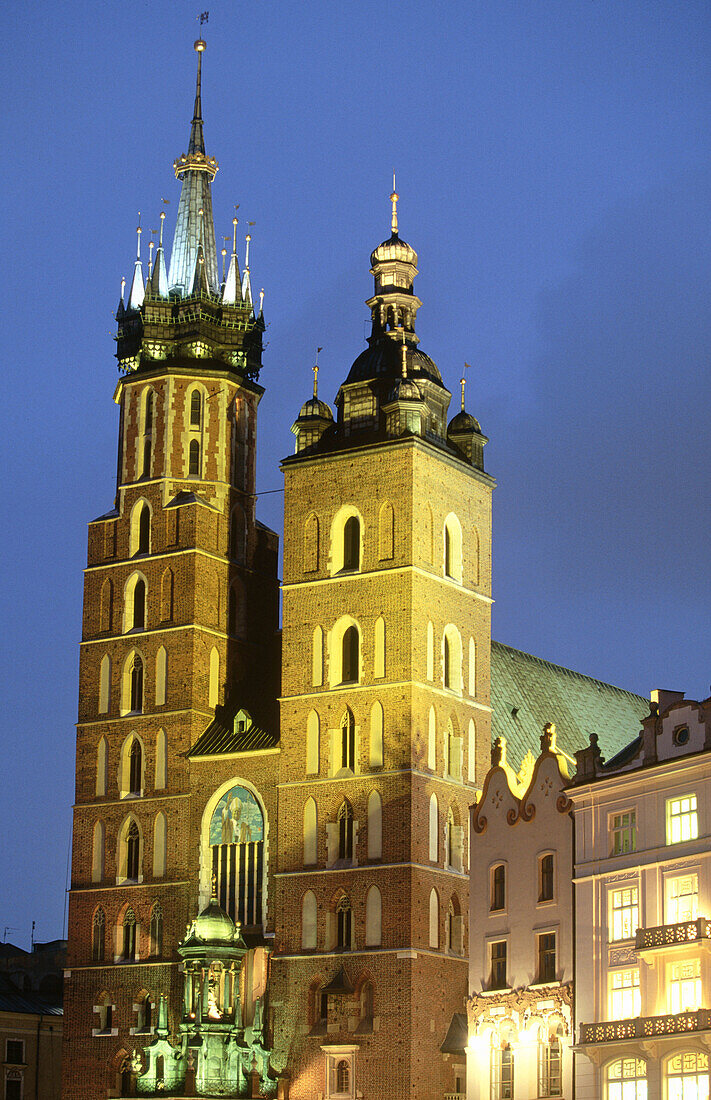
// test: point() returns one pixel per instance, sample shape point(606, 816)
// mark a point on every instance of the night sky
point(554, 167)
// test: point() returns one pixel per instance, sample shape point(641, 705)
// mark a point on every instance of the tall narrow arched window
point(373, 918)
point(386, 532)
point(195, 409)
point(313, 736)
point(161, 777)
point(128, 947)
point(147, 454)
point(97, 855)
point(432, 740)
point(98, 936)
point(434, 829)
point(376, 735)
point(430, 651)
point(135, 767)
point(144, 530)
point(160, 844)
point(502, 1065)
point(447, 662)
point(452, 658)
point(156, 932)
point(136, 700)
point(194, 458)
point(343, 1076)
point(133, 852)
point(471, 752)
point(348, 740)
point(380, 653)
point(452, 548)
point(350, 656)
point(309, 918)
point(455, 842)
point(107, 606)
point(311, 544)
point(375, 826)
point(366, 1005)
point(434, 918)
point(102, 767)
point(148, 410)
point(138, 617)
point(447, 552)
point(351, 543)
point(343, 924)
point(475, 556)
point(310, 833)
point(472, 667)
point(104, 684)
point(214, 686)
point(146, 447)
point(345, 830)
point(317, 657)
point(161, 675)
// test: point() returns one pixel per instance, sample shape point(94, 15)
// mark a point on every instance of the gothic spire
point(137, 293)
point(232, 291)
point(196, 171)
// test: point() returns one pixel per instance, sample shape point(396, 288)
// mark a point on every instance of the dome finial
point(463, 381)
point(213, 893)
point(403, 368)
point(315, 370)
point(393, 199)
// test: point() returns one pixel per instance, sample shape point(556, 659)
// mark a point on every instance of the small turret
point(464, 434)
point(315, 418)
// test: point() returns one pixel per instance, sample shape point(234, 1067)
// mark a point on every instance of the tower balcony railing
point(646, 1027)
point(668, 935)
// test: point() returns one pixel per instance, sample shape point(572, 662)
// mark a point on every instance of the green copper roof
point(527, 692)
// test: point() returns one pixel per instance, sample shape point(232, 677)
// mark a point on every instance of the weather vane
point(203, 17)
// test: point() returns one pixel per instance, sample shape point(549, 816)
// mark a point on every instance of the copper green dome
point(214, 925)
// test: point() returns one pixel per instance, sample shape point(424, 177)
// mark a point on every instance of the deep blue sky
point(554, 167)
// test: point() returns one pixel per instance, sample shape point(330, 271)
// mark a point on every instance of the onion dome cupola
point(465, 436)
point(365, 400)
point(314, 420)
point(184, 311)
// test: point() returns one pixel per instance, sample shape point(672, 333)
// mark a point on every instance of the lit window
point(627, 1079)
point(497, 954)
point(625, 1002)
point(546, 957)
point(682, 819)
point(502, 1065)
point(684, 986)
point(687, 1076)
point(624, 913)
point(623, 833)
point(546, 877)
point(498, 888)
point(550, 1064)
point(682, 898)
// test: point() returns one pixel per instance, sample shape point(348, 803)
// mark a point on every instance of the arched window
point(471, 752)
point(214, 687)
point(687, 1076)
point(136, 685)
point(145, 1012)
point(350, 664)
point(98, 936)
point(102, 767)
point(454, 751)
point(452, 659)
point(376, 735)
point(430, 651)
point(373, 918)
point(502, 1063)
point(148, 409)
point(375, 826)
point(379, 662)
point(317, 657)
point(475, 556)
point(133, 852)
point(313, 734)
point(136, 594)
point(386, 532)
point(550, 1061)
point(366, 1006)
point(135, 768)
point(156, 930)
point(497, 887)
point(345, 831)
point(107, 606)
point(472, 667)
point(626, 1079)
point(343, 1076)
point(194, 458)
point(309, 921)
point(434, 829)
point(144, 530)
point(104, 684)
point(351, 543)
point(166, 596)
point(348, 740)
point(311, 544)
point(432, 740)
point(195, 409)
point(455, 841)
point(310, 833)
point(128, 946)
point(343, 923)
point(97, 855)
point(453, 548)
point(161, 779)
point(160, 844)
point(237, 856)
point(161, 675)
point(434, 919)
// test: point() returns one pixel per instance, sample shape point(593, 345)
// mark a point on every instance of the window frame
point(498, 963)
point(618, 829)
point(14, 1062)
point(544, 875)
point(616, 919)
point(546, 950)
point(497, 888)
point(679, 818)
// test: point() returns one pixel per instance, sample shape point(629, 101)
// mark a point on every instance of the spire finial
point(151, 246)
point(261, 300)
point(463, 381)
point(234, 236)
point(246, 258)
point(213, 894)
point(315, 370)
point(162, 223)
point(394, 199)
point(123, 286)
point(224, 256)
point(404, 353)
point(138, 236)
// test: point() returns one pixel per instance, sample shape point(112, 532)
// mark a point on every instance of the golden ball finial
point(394, 197)
point(200, 45)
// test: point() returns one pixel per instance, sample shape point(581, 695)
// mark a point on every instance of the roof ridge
point(569, 671)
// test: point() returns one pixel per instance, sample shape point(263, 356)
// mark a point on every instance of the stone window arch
point(452, 659)
point(311, 543)
point(132, 767)
point(452, 545)
point(309, 921)
point(160, 845)
point(195, 409)
point(134, 615)
point(346, 540)
point(350, 661)
point(140, 528)
point(132, 684)
point(373, 917)
point(453, 749)
point(129, 936)
point(434, 919)
point(375, 826)
point(214, 684)
point(345, 831)
point(347, 755)
point(386, 532)
point(148, 408)
point(102, 767)
point(310, 832)
point(455, 840)
point(194, 459)
point(345, 652)
point(344, 924)
point(377, 722)
point(313, 738)
point(156, 931)
point(234, 849)
point(130, 852)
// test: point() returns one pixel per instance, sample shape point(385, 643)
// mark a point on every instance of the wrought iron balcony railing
point(667, 935)
point(646, 1027)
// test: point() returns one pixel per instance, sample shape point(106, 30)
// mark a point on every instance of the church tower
point(180, 600)
point(385, 714)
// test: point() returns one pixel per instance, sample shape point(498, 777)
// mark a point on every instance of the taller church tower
point(180, 599)
point(385, 715)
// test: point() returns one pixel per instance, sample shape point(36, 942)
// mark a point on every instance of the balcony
point(646, 1027)
point(668, 935)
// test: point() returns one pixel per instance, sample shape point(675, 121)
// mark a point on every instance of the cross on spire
point(394, 200)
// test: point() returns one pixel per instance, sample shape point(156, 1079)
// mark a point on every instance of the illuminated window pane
point(627, 1079)
point(684, 986)
point(687, 1076)
point(624, 913)
point(623, 833)
point(682, 819)
point(624, 994)
point(682, 898)
point(550, 1067)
